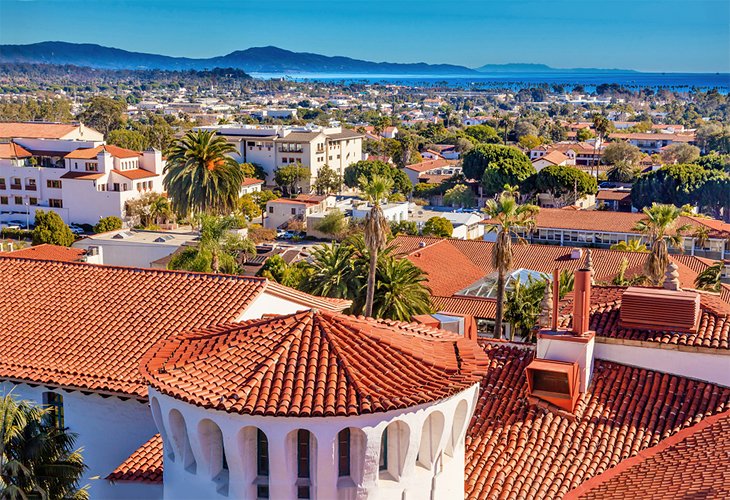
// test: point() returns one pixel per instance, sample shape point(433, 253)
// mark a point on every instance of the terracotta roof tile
point(427, 165)
point(313, 364)
point(87, 326)
point(36, 130)
point(48, 252)
point(84, 176)
point(11, 151)
point(92, 153)
point(662, 471)
point(142, 466)
point(448, 269)
point(476, 307)
point(515, 449)
point(135, 173)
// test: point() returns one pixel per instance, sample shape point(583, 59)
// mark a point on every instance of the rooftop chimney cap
point(576, 253)
point(671, 277)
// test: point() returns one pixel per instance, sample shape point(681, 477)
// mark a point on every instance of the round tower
point(314, 405)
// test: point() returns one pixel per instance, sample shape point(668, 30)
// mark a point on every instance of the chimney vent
point(659, 309)
point(576, 253)
point(671, 277)
point(582, 302)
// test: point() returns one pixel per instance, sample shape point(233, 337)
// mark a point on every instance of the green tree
point(104, 114)
point(200, 176)
point(509, 218)
point(680, 153)
point(50, 228)
point(38, 459)
point(522, 307)
point(634, 245)
point(496, 166)
point(129, 139)
point(563, 182)
point(106, 224)
point(377, 229)
point(334, 273)
point(369, 169)
point(149, 209)
point(253, 171)
point(333, 224)
point(622, 171)
point(460, 195)
point(290, 178)
point(439, 227)
point(677, 184)
point(529, 142)
point(328, 180)
point(408, 227)
point(483, 134)
point(715, 161)
point(601, 126)
point(584, 134)
point(621, 152)
point(710, 278)
point(660, 227)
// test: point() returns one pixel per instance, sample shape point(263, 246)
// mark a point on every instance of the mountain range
point(252, 60)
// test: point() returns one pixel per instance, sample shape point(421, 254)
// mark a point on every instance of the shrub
point(106, 224)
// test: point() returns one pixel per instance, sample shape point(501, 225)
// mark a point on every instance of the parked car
point(76, 229)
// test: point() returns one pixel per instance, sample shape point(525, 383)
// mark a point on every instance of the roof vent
point(659, 309)
point(421, 244)
point(123, 235)
point(556, 382)
point(576, 253)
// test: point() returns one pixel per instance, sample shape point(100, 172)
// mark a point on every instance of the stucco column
point(325, 467)
point(282, 471)
point(371, 462)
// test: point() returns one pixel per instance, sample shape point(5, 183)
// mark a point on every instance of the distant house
point(250, 185)
point(282, 210)
point(653, 143)
point(552, 158)
point(616, 200)
point(418, 172)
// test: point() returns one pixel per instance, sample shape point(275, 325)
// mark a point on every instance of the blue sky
point(648, 35)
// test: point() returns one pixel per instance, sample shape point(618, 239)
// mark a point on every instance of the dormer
point(556, 382)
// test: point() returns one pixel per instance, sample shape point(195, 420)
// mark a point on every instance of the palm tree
point(200, 176)
point(510, 217)
point(377, 228)
point(334, 272)
point(701, 236)
point(633, 245)
point(601, 125)
point(401, 293)
point(709, 279)
point(659, 226)
point(160, 210)
point(37, 459)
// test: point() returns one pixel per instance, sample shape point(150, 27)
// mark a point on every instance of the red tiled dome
point(313, 364)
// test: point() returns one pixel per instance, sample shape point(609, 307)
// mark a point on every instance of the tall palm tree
point(377, 228)
point(334, 272)
point(37, 459)
point(200, 176)
point(660, 227)
point(401, 293)
point(509, 217)
point(601, 125)
point(709, 279)
point(160, 210)
point(701, 235)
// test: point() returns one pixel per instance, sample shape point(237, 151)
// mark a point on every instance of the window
point(271, 210)
point(15, 183)
point(33, 201)
point(91, 167)
point(54, 403)
point(383, 465)
point(18, 200)
point(55, 203)
point(3, 200)
point(303, 462)
point(262, 463)
point(54, 184)
point(293, 211)
point(30, 184)
point(343, 452)
point(2, 183)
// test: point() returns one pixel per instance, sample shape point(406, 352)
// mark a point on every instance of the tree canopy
point(106, 224)
point(496, 166)
point(289, 178)
point(440, 227)
point(483, 134)
point(562, 181)
point(621, 152)
point(369, 168)
point(50, 228)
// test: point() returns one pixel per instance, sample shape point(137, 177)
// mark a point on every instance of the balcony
point(16, 186)
point(31, 187)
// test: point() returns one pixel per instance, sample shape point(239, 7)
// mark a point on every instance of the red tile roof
point(607, 194)
point(642, 136)
point(87, 326)
point(143, 466)
point(555, 157)
point(448, 269)
point(662, 471)
point(135, 173)
point(427, 165)
point(36, 130)
point(12, 151)
point(251, 181)
point(313, 364)
point(476, 307)
point(84, 176)
point(92, 153)
point(515, 449)
point(48, 252)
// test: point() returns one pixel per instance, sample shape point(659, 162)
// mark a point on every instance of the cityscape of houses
point(233, 287)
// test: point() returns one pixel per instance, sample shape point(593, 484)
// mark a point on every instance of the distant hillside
point(542, 68)
point(255, 59)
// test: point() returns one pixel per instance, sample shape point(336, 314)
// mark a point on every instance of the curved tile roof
point(142, 466)
point(313, 364)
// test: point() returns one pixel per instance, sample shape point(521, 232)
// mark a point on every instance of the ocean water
point(589, 79)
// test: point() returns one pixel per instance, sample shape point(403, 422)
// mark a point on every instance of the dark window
point(262, 463)
point(55, 203)
point(383, 465)
point(224, 460)
point(303, 462)
point(54, 403)
point(293, 211)
point(271, 210)
point(343, 452)
point(550, 382)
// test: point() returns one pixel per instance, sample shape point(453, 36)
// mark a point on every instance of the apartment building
point(653, 143)
point(68, 169)
point(277, 146)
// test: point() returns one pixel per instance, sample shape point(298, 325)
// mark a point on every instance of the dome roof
point(313, 364)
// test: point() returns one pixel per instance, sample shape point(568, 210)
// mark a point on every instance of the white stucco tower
point(314, 405)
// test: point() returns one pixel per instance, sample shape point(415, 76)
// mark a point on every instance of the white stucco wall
point(109, 431)
point(266, 303)
point(426, 452)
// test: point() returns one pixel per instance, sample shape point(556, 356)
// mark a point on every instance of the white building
point(361, 436)
point(81, 180)
point(278, 146)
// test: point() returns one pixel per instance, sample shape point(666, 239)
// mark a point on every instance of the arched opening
point(393, 449)
point(431, 433)
point(350, 454)
point(343, 453)
point(457, 429)
point(214, 453)
point(254, 447)
point(157, 417)
point(180, 441)
point(302, 446)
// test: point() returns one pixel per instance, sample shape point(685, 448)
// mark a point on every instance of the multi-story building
point(277, 146)
point(653, 143)
point(69, 170)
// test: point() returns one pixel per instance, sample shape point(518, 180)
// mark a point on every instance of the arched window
point(157, 417)
point(53, 402)
point(181, 443)
point(262, 464)
point(343, 453)
point(393, 449)
point(433, 429)
point(457, 429)
point(303, 464)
